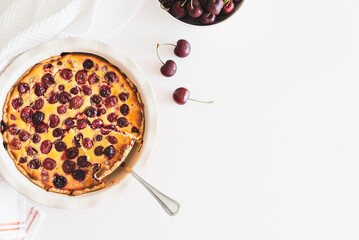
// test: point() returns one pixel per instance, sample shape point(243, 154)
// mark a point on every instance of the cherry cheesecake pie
point(71, 120)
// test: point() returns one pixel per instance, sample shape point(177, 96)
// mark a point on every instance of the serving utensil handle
point(168, 204)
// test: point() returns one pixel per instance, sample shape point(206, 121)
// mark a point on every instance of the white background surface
point(276, 155)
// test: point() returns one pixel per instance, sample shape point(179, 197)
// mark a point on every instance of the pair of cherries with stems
point(169, 68)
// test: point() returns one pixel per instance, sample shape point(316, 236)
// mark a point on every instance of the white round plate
point(138, 157)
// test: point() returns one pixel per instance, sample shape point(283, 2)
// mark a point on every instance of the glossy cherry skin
point(228, 8)
point(177, 10)
point(180, 95)
point(207, 18)
point(194, 8)
point(215, 6)
point(169, 68)
point(183, 48)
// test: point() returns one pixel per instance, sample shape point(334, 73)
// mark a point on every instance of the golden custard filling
point(70, 120)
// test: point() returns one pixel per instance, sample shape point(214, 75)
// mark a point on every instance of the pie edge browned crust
point(105, 173)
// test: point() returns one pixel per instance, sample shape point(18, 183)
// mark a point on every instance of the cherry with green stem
point(178, 10)
point(194, 8)
point(207, 18)
point(228, 7)
point(181, 95)
point(169, 68)
point(215, 6)
point(182, 48)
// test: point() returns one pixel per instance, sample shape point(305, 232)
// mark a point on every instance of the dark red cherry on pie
point(79, 174)
point(101, 111)
point(49, 163)
point(69, 123)
point(96, 99)
point(26, 114)
point(15, 144)
point(48, 67)
point(48, 80)
point(112, 117)
point(81, 77)
point(98, 137)
point(124, 109)
point(31, 151)
point(38, 117)
point(72, 152)
point(45, 146)
point(24, 135)
point(61, 109)
point(59, 181)
point(75, 90)
point(23, 88)
point(39, 89)
point(76, 102)
point(66, 74)
point(88, 64)
point(34, 164)
point(123, 96)
point(122, 122)
point(135, 130)
point(22, 160)
point(90, 112)
point(110, 101)
point(105, 91)
point(68, 166)
point(54, 120)
point(87, 143)
point(81, 123)
point(93, 78)
point(60, 146)
point(112, 139)
point(13, 129)
point(64, 97)
point(109, 151)
point(41, 128)
point(54, 98)
point(98, 151)
point(111, 77)
point(82, 161)
point(97, 123)
point(105, 131)
point(38, 104)
point(16, 103)
point(58, 132)
point(61, 88)
point(36, 138)
point(86, 90)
